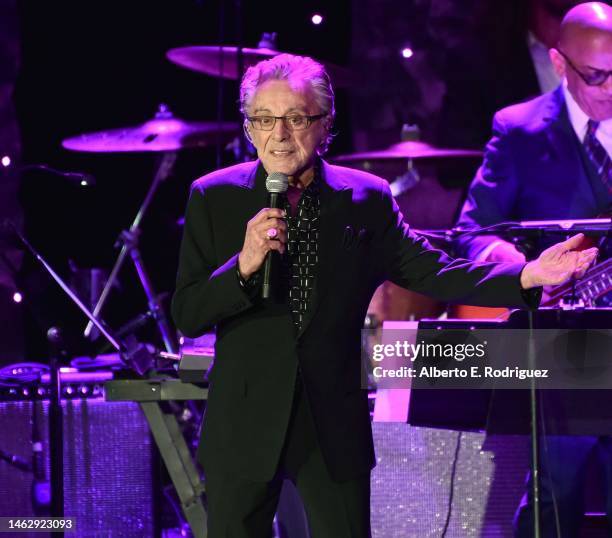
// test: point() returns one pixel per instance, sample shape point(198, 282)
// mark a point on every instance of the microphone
point(276, 185)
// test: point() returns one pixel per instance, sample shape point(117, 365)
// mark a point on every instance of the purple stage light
point(17, 297)
point(6, 161)
point(407, 52)
point(317, 19)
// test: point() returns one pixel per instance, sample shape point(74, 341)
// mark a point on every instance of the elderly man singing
point(285, 395)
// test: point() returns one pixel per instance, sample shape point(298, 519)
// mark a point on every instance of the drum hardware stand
point(408, 180)
point(129, 241)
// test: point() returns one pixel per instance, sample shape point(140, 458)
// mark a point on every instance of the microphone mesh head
point(277, 182)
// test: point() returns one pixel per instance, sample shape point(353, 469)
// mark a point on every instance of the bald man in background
point(549, 159)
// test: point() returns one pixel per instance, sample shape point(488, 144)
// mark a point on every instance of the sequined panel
point(411, 482)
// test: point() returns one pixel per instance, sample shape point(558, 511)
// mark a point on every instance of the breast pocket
point(356, 237)
point(356, 257)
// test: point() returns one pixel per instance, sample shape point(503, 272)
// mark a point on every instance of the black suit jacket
point(363, 241)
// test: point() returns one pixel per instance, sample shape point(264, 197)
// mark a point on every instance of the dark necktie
point(302, 246)
point(598, 155)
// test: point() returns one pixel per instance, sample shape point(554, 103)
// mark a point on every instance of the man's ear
point(247, 132)
point(558, 62)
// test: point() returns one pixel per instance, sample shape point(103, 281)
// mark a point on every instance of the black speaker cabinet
point(108, 464)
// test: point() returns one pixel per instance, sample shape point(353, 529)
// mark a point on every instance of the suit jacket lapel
point(255, 178)
point(567, 148)
point(336, 199)
point(560, 132)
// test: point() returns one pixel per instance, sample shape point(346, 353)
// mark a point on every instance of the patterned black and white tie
point(598, 155)
point(302, 251)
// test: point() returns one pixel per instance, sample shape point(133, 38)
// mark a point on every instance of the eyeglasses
point(596, 78)
point(293, 122)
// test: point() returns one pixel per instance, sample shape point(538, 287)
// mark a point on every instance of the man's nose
point(280, 131)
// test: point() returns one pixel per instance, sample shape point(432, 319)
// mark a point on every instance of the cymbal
point(409, 150)
point(222, 61)
point(164, 133)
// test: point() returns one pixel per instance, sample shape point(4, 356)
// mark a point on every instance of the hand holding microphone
point(266, 233)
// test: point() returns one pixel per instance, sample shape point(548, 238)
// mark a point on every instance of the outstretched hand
point(558, 264)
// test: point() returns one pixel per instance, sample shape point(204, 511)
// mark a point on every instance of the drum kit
point(166, 135)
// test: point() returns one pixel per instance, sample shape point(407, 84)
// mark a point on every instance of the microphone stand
point(533, 414)
point(95, 321)
point(56, 428)
point(538, 229)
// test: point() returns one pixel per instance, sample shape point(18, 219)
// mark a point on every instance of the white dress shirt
point(579, 121)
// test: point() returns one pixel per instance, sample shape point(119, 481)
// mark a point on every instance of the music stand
point(515, 230)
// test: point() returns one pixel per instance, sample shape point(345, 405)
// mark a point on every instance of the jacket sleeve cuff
point(252, 286)
point(239, 300)
point(532, 296)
